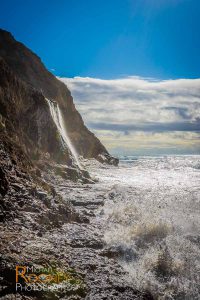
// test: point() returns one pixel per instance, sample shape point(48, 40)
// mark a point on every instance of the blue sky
point(109, 38)
point(133, 66)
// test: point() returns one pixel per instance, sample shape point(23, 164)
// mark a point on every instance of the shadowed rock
point(32, 106)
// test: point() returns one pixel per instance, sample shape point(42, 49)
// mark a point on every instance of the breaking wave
point(151, 216)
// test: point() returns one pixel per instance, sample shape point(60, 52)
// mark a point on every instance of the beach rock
point(107, 159)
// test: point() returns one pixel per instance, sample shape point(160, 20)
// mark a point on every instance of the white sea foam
point(151, 214)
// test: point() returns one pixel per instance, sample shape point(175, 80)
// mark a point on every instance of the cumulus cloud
point(130, 105)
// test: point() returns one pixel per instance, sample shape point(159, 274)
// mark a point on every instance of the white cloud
point(133, 104)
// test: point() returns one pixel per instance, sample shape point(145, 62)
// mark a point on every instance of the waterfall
point(59, 122)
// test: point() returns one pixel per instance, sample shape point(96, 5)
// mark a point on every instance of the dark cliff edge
point(39, 83)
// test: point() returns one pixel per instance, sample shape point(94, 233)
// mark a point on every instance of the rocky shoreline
point(61, 231)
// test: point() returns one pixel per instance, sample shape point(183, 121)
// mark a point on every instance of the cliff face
point(26, 119)
point(25, 83)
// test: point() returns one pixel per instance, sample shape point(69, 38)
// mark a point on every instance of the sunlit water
point(151, 216)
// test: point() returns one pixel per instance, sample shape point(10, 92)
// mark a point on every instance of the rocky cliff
point(47, 220)
point(25, 85)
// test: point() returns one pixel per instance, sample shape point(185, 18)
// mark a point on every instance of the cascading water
point(59, 122)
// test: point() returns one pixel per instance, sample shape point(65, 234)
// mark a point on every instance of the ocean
point(151, 217)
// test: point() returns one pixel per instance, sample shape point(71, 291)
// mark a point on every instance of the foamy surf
point(151, 214)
